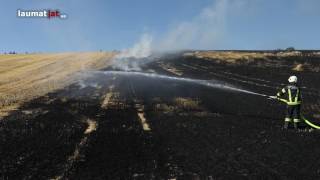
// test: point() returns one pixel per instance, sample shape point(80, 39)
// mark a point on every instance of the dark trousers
point(293, 112)
point(292, 115)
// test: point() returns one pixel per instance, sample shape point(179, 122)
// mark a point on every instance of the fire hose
point(302, 117)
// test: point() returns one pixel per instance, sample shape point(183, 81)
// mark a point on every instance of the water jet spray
point(209, 83)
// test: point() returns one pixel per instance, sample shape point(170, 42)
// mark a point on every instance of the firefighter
point(291, 95)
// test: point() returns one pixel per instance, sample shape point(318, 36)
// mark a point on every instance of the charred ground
point(99, 131)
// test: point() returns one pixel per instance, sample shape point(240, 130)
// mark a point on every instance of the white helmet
point(293, 79)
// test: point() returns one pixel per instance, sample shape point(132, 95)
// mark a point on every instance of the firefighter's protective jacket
point(291, 94)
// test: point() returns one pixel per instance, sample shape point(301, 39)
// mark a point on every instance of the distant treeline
point(10, 52)
point(15, 52)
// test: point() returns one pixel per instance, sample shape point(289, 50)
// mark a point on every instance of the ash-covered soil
point(127, 126)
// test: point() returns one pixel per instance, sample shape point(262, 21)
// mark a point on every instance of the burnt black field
point(227, 135)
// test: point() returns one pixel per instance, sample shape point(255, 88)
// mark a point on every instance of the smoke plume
point(203, 31)
point(130, 59)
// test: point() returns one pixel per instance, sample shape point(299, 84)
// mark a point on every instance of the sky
point(169, 24)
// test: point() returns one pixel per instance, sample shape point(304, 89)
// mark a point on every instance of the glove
point(272, 97)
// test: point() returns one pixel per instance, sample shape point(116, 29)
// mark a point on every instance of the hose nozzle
point(272, 97)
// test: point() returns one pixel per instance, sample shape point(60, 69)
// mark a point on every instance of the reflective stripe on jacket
point(291, 95)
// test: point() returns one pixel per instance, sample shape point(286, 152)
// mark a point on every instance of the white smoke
point(141, 49)
point(130, 59)
point(206, 30)
point(82, 84)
